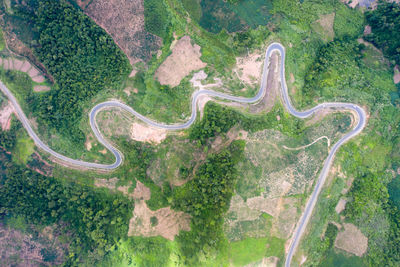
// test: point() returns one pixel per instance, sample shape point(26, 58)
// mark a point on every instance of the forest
point(82, 58)
point(385, 26)
point(94, 219)
point(207, 199)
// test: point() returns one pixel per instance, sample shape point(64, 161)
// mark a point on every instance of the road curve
point(274, 47)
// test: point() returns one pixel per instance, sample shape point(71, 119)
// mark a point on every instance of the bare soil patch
point(124, 21)
point(267, 205)
point(341, 205)
point(272, 88)
point(352, 240)
point(324, 25)
point(396, 76)
point(5, 116)
point(41, 88)
point(22, 249)
point(249, 68)
point(115, 122)
point(168, 222)
point(108, 183)
point(265, 262)
point(145, 133)
point(141, 192)
point(184, 59)
point(24, 66)
point(82, 3)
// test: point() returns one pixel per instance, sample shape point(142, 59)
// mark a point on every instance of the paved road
point(275, 47)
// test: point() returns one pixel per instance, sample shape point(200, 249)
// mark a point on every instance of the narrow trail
point(310, 144)
point(274, 47)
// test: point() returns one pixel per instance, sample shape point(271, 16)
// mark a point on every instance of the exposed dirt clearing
point(265, 262)
point(352, 240)
point(396, 76)
point(244, 211)
point(249, 68)
point(284, 224)
point(341, 205)
point(184, 59)
point(5, 116)
point(145, 133)
point(124, 21)
point(169, 222)
point(272, 89)
point(17, 64)
point(367, 30)
point(41, 88)
point(141, 192)
point(267, 205)
point(326, 24)
point(108, 183)
point(115, 122)
point(24, 249)
point(83, 3)
point(292, 79)
point(24, 66)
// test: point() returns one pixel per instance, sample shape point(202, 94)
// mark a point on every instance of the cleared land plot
point(24, 66)
point(324, 26)
point(352, 240)
point(274, 181)
point(18, 248)
point(124, 21)
point(164, 222)
point(184, 59)
point(5, 116)
point(249, 68)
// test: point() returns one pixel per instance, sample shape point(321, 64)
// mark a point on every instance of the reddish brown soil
point(124, 21)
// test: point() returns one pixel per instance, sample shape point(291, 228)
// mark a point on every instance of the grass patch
point(24, 147)
point(193, 8)
point(219, 14)
point(2, 41)
point(254, 249)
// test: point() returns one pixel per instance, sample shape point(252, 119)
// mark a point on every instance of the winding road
point(274, 47)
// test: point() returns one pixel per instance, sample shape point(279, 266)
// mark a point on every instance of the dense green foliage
point(8, 138)
point(80, 56)
point(335, 68)
point(385, 26)
point(95, 218)
point(156, 17)
point(207, 199)
point(219, 119)
point(234, 15)
point(138, 157)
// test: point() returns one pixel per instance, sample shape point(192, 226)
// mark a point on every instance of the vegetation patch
point(23, 148)
point(95, 58)
point(254, 249)
point(385, 26)
point(238, 16)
